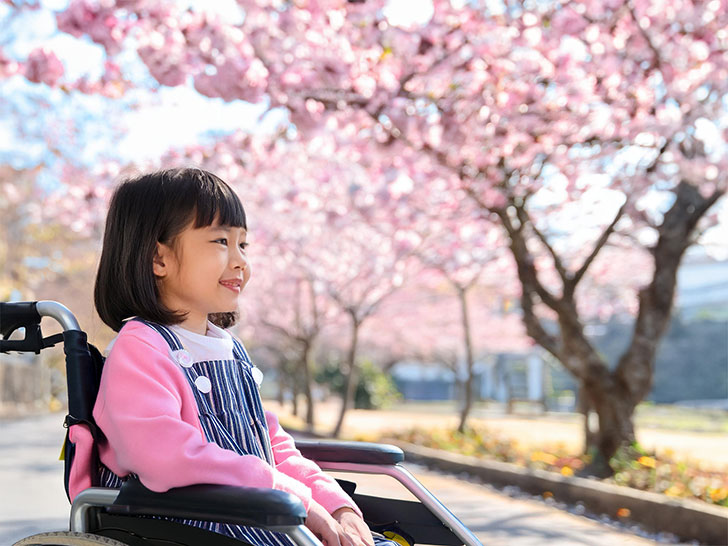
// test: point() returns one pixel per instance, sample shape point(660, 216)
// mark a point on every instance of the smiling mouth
point(233, 285)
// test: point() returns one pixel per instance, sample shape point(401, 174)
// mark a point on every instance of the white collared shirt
point(217, 344)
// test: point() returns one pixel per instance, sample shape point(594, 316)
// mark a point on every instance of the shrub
point(375, 389)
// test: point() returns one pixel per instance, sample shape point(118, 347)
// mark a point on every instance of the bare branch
point(524, 218)
point(535, 329)
point(283, 331)
point(570, 286)
point(525, 263)
point(656, 58)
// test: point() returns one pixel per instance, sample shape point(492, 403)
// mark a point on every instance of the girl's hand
point(325, 527)
point(354, 526)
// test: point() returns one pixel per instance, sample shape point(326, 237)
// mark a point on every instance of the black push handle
point(27, 315)
point(22, 314)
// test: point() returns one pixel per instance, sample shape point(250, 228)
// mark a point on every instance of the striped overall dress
point(231, 415)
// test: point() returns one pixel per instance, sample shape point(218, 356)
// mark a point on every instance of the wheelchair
point(136, 516)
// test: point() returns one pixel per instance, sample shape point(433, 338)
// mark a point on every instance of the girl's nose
point(244, 265)
point(238, 258)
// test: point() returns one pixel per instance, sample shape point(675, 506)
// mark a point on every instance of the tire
point(67, 538)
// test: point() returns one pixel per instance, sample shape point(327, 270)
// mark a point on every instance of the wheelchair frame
point(283, 512)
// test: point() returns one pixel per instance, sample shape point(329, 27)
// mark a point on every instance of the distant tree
point(461, 254)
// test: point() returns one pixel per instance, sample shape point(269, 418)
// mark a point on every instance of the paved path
point(32, 497)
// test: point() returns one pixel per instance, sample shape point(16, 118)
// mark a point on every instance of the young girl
point(178, 402)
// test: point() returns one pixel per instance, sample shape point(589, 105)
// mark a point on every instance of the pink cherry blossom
point(43, 66)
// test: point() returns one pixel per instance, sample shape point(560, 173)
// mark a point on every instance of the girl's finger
point(346, 540)
point(354, 538)
point(334, 538)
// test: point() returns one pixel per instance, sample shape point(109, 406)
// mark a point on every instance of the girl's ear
point(160, 260)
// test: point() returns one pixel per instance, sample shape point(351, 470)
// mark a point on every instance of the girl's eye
point(243, 246)
point(222, 241)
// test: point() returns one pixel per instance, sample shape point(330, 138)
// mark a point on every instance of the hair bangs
point(217, 202)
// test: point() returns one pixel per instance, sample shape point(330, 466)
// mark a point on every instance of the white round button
point(257, 374)
point(203, 384)
point(183, 358)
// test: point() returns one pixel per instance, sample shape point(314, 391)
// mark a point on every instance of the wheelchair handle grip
point(17, 315)
point(27, 315)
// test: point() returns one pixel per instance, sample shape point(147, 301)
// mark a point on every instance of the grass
point(668, 417)
point(647, 415)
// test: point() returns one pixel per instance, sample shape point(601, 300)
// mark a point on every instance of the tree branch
point(283, 331)
point(525, 218)
point(524, 262)
point(656, 60)
point(635, 367)
point(535, 329)
point(570, 286)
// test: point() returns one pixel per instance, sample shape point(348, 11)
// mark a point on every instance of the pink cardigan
point(148, 414)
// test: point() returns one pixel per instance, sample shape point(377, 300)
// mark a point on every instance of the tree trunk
point(307, 384)
point(636, 366)
point(281, 396)
point(282, 381)
point(350, 376)
point(468, 344)
point(616, 428)
point(598, 385)
point(613, 395)
point(294, 395)
point(584, 406)
point(631, 380)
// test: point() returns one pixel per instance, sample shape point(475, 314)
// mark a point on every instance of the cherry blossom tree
point(459, 246)
point(287, 303)
point(503, 101)
point(462, 264)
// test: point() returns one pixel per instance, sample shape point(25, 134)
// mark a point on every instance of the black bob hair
point(149, 209)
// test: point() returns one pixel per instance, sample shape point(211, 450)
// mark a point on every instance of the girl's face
point(202, 272)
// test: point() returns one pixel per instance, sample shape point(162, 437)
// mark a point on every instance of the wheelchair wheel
point(67, 538)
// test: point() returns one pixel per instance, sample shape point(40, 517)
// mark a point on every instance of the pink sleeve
point(148, 414)
point(289, 460)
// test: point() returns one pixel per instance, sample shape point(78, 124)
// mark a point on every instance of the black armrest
point(221, 503)
point(350, 452)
